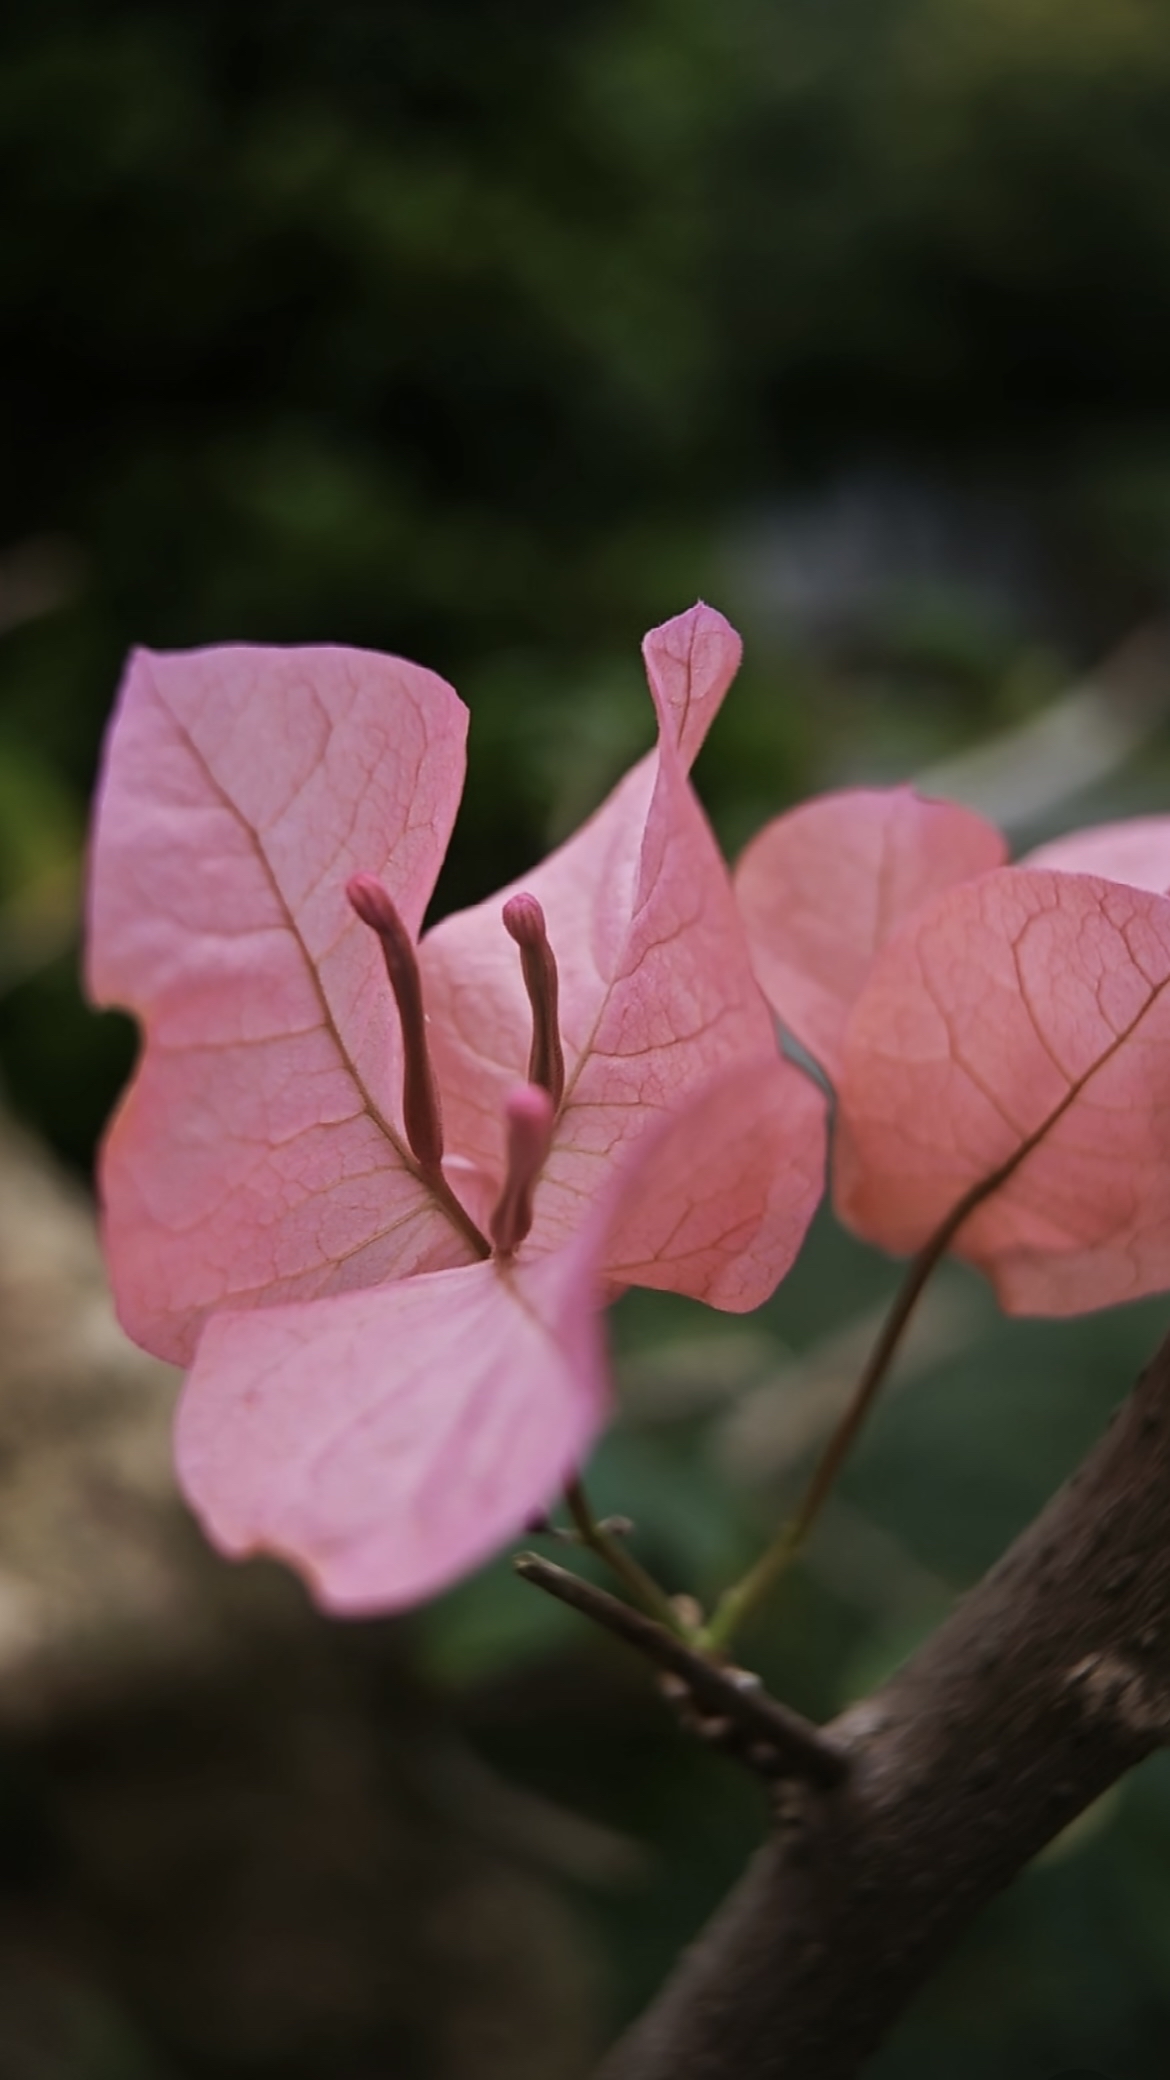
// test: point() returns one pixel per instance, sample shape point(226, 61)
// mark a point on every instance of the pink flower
point(380, 1234)
point(998, 1037)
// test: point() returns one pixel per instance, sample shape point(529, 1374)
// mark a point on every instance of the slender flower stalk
point(524, 922)
point(746, 1595)
point(646, 1592)
point(422, 1113)
point(528, 1115)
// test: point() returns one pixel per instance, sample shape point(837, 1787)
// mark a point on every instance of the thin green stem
point(745, 1596)
point(641, 1586)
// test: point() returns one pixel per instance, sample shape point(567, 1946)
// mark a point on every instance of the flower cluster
point(374, 1190)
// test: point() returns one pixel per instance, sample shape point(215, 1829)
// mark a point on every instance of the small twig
point(743, 1599)
point(778, 1742)
point(621, 1562)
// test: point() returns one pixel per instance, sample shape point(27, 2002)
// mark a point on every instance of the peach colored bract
point(981, 1023)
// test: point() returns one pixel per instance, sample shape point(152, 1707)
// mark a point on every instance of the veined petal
point(690, 663)
point(656, 988)
point(822, 888)
point(720, 1202)
point(386, 1442)
point(258, 1154)
point(1017, 1035)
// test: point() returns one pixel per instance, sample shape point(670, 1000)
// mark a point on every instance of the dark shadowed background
point(493, 333)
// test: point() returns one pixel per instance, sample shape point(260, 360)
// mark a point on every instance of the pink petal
point(385, 1442)
point(721, 1203)
point(480, 1021)
point(824, 887)
point(1021, 1023)
point(1136, 852)
point(258, 1153)
point(690, 663)
point(656, 988)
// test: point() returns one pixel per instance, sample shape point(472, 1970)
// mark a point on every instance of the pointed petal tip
point(695, 621)
point(690, 663)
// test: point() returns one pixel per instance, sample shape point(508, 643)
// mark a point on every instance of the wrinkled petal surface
point(1136, 852)
point(722, 1202)
point(385, 1442)
point(258, 1155)
point(822, 889)
point(1019, 1027)
point(656, 989)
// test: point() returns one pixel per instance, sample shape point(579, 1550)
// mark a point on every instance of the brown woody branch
point(772, 1739)
point(1047, 1683)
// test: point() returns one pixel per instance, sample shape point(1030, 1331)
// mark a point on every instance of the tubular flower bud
point(421, 1113)
point(529, 1113)
point(524, 922)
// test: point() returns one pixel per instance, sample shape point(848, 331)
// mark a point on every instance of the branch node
point(727, 1707)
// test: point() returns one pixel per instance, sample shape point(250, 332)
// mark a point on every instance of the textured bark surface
point(1049, 1681)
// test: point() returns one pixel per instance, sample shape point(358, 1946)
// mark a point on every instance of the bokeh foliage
point(469, 331)
point(492, 333)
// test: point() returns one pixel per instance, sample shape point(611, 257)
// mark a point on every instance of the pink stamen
point(529, 1113)
point(421, 1113)
point(524, 922)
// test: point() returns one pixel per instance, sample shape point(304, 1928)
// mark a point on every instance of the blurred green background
point(493, 333)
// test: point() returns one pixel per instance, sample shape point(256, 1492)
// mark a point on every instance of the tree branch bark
point(767, 1736)
point(1047, 1683)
